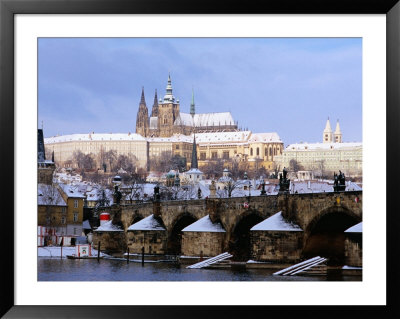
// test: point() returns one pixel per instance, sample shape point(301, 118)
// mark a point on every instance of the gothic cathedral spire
point(142, 117)
point(154, 110)
point(338, 133)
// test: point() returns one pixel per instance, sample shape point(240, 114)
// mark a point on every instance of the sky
point(285, 85)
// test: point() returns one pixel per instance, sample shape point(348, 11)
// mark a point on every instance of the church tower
point(142, 117)
point(327, 136)
point(338, 133)
point(168, 111)
point(154, 110)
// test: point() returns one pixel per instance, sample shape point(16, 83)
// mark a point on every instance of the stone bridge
point(317, 214)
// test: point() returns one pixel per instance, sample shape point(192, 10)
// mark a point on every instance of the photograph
point(217, 159)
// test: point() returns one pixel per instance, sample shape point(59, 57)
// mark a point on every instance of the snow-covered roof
point(205, 119)
point(218, 137)
point(322, 146)
point(205, 225)
point(109, 226)
point(95, 137)
point(86, 224)
point(153, 122)
point(174, 138)
point(74, 191)
point(265, 137)
point(194, 171)
point(49, 195)
point(148, 223)
point(355, 229)
point(276, 223)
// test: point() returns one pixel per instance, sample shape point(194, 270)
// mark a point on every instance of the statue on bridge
point(117, 195)
point(284, 182)
point(339, 182)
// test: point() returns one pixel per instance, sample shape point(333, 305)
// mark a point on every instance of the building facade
point(327, 157)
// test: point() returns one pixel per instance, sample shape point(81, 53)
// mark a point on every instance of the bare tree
point(295, 166)
point(110, 157)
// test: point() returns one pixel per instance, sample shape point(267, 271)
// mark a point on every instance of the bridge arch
point(239, 240)
point(175, 234)
point(324, 236)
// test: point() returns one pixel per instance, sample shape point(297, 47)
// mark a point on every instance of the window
point(266, 152)
point(63, 210)
point(258, 151)
point(63, 220)
point(251, 151)
point(203, 156)
point(75, 203)
point(177, 147)
point(76, 216)
point(225, 155)
point(75, 231)
point(214, 155)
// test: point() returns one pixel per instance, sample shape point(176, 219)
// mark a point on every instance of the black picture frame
point(8, 10)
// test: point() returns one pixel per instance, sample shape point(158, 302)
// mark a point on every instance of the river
point(52, 269)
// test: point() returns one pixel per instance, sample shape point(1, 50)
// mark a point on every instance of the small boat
point(83, 257)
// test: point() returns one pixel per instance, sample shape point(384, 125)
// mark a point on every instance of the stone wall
point(153, 241)
point(111, 241)
point(276, 246)
point(208, 244)
point(353, 250)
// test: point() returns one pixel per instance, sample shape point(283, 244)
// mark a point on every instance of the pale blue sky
point(284, 85)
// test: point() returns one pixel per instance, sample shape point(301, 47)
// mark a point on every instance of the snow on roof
point(218, 137)
point(322, 146)
point(194, 171)
point(205, 225)
point(86, 224)
point(265, 137)
point(109, 226)
point(148, 223)
point(310, 187)
point(173, 138)
point(355, 229)
point(205, 119)
point(276, 223)
point(95, 137)
point(75, 191)
point(49, 195)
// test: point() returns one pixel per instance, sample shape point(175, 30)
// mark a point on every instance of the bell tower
point(338, 133)
point(327, 136)
point(168, 111)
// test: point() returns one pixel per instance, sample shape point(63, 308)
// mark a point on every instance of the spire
point(168, 95)
point(142, 100)
point(154, 111)
point(327, 136)
point(192, 105)
point(337, 130)
point(328, 127)
point(338, 133)
point(194, 154)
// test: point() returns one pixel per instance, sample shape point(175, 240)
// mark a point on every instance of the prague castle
point(167, 120)
point(169, 130)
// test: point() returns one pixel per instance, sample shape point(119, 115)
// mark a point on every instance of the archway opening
point(239, 244)
point(175, 239)
point(326, 237)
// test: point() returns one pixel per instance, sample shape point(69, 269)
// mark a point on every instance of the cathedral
point(166, 119)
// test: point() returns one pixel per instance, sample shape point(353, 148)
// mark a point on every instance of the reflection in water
point(112, 270)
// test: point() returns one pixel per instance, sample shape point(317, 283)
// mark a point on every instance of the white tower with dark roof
point(327, 135)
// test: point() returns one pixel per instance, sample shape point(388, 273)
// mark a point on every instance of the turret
point(327, 136)
point(192, 105)
point(154, 111)
point(338, 134)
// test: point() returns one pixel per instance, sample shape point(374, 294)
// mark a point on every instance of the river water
point(52, 269)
